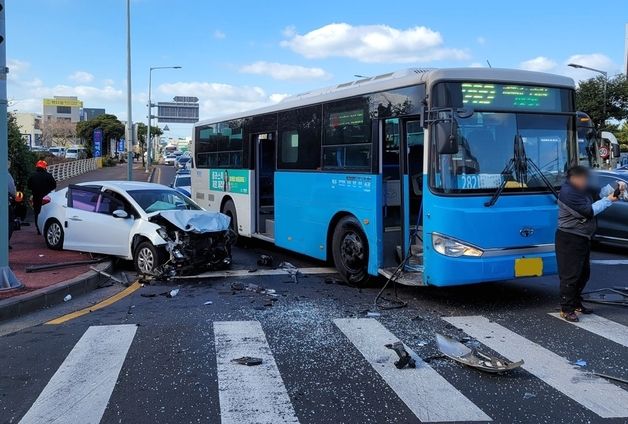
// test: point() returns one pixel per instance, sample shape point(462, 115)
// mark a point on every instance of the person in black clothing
point(40, 183)
point(576, 226)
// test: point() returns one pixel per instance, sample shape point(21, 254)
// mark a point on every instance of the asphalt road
point(149, 358)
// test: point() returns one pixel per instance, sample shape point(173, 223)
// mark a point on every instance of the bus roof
point(403, 78)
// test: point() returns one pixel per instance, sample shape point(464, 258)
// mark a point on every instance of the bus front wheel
point(350, 250)
point(229, 209)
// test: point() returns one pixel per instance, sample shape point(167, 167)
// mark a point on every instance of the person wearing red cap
point(40, 183)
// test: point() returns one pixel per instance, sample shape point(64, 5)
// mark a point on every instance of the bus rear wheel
point(350, 250)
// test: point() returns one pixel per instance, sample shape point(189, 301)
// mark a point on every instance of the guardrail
point(65, 170)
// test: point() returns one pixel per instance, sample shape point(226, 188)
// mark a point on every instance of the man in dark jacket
point(576, 226)
point(40, 183)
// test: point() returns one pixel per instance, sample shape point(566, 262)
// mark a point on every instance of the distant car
point(57, 151)
point(76, 153)
point(37, 149)
point(161, 230)
point(612, 224)
point(182, 162)
point(170, 159)
point(183, 183)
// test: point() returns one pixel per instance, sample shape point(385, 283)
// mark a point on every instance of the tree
point(589, 99)
point(110, 124)
point(622, 136)
point(22, 159)
point(58, 133)
point(141, 132)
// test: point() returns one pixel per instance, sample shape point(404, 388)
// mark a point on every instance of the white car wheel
point(146, 258)
point(53, 233)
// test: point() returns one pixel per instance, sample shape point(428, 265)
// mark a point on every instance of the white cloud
point(219, 99)
point(86, 93)
point(480, 40)
point(281, 71)
point(539, 63)
point(373, 43)
point(81, 77)
point(476, 65)
point(289, 31)
point(219, 35)
point(16, 68)
point(594, 60)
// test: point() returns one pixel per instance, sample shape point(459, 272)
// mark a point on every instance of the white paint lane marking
point(80, 389)
point(249, 394)
point(260, 272)
point(610, 262)
point(603, 327)
point(426, 393)
point(598, 395)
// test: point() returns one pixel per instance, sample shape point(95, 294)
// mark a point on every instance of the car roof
point(616, 173)
point(126, 185)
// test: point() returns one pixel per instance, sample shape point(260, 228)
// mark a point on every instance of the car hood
point(197, 222)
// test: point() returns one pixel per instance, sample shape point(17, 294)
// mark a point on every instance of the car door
point(82, 223)
point(117, 232)
point(613, 222)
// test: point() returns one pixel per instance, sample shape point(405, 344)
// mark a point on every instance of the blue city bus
point(433, 177)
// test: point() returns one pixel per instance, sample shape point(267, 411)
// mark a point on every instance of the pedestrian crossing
point(81, 388)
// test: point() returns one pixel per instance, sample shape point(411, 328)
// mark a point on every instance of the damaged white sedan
point(162, 231)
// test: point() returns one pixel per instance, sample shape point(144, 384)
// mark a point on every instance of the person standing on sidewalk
point(576, 226)
point(40, 183)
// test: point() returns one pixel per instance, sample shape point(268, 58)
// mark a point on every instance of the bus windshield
point(541, 116)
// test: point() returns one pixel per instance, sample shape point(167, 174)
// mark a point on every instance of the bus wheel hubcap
point(352, 251)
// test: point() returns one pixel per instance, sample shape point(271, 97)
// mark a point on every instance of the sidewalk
point(45, 288)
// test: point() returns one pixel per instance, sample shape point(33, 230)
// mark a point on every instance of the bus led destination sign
point(501, 95)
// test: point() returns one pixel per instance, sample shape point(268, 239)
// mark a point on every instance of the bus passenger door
point(265, 145)
point(412, 184)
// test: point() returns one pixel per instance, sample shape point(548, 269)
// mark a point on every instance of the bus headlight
point(450, 247)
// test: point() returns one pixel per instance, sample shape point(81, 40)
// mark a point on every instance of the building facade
point(91, 113)
point(63, 108)
point(30, 127)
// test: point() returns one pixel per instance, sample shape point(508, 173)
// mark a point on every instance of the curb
point(16, 306)
point(151, 175)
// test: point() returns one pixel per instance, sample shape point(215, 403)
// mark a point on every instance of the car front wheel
point(146, 258)
point(53, 233)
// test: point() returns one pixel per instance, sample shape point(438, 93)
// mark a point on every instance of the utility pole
point(8, 280)
point(129, 119)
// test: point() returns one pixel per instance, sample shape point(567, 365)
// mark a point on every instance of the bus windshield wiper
point(518, 165)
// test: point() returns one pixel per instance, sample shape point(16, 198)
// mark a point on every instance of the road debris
point(209, 302)
point(265, 260)
point(580, 363)
point(610, 377)
point(617, 296)
point(292, 270)
point(528, 395)
point(371, 314)
point(405, 360)
point(248, 361)
point(46, 267)
point(455, 350)
point(67, 298)
point(106, 274)
point(172, 293)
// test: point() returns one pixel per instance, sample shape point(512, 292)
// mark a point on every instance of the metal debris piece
point(209, 302)
point(455, 350)
point(265, 260)
point(610, 377)
point(106, 274)
point(405, 360)
point(248, 361)
point(373, 314)
point(617, 296)
point(46, 267)
point(292, 270)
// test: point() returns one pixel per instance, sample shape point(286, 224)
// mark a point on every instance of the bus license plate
point(528, 267)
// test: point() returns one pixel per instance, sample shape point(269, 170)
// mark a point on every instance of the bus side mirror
point(446, 137)
point(615, 150)
point(590, 135)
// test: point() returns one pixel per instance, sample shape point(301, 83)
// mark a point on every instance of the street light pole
point(605, 74)
point(149, 143)
point(129, 105)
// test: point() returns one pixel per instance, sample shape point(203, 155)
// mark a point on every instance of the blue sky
point(242, 54)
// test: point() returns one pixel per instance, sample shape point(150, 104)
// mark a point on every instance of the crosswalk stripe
point(609, 262)
point(603, 398)
point(249, 394)
point(603, 327)
point(426, 393)
point(80, 389)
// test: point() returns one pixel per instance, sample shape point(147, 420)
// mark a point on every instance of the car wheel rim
point(145, 260)
point(54, 234)
point(352, 251)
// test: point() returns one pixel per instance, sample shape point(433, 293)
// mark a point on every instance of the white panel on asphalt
point(603, 327)
point(426, 393)
point(249, 394)
point(603, 398)
point(80, 389)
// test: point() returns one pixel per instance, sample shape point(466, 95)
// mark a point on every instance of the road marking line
point(260, 272)
point(603, 327)
point(598, 395)
point(610, 262)
point(249, 394)
point(109, 301)
point(80, 389)
point(426, 393)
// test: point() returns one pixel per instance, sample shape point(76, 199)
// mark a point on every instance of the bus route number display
point(507, 96)
point(479, 181)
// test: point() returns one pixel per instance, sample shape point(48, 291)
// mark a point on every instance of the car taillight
point(45, 200)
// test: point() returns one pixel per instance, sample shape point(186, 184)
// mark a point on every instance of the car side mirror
point(446, 137)
point(120, 213)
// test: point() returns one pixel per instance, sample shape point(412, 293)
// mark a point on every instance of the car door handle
point(75, 218)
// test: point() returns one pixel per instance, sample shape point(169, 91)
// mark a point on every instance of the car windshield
point(183, 182)
point(156, 200)
point(486, 146)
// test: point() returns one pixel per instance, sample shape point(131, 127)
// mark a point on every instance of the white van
point(57, 151)
point(76, 153)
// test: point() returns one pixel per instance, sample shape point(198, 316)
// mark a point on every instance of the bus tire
point(350, 250)
point(228, 208)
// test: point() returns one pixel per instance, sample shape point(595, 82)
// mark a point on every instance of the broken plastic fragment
point(173, 293)
point(67, 298)
point(580, 363)
point(373, 314)
point(405, 360)
point(209, 302)
point(455, 350)
point(248, 361)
